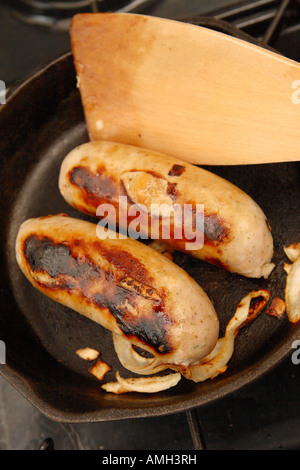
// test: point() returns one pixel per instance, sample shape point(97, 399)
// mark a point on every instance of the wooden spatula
point(185, 90)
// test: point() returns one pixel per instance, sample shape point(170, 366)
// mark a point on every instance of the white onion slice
point(133, 361)
point(100, 369)
point(292, 251)
point(88, 354)
point(142, 384)
point(114, 387)
point(292, 292)
point(287, 267)
point(218, 364)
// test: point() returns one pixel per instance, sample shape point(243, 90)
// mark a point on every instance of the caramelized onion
point(292, 251)
point(217, 364)
point(292, 292)
point(142, 384)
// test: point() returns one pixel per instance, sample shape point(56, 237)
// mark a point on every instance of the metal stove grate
point(263, 19)
point(59, 13)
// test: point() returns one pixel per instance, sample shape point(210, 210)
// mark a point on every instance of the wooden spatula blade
point(185, 90)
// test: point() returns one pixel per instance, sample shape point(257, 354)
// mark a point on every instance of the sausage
point(236, 234)
point(121, 284)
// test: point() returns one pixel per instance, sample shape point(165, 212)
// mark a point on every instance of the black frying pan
point(41, 122)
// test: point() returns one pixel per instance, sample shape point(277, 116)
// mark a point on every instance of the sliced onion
point(100, 369)
point(142, 384)
point(292, 292)
point(133, 361)
point(277, 308)
point(114, 387)
point(287, 267)
point(88, 354)
point(218, 364)
point(292, 251)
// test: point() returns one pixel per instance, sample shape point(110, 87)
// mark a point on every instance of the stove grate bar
point(276, 21)
point(196, 430)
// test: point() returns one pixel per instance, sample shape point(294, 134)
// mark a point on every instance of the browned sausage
point(121, 284)
point(236, 235)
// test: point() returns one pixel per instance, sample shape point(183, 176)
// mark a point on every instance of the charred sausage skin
point(237, 235)
point(121, 284)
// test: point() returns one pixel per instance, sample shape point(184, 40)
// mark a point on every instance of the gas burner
point(57, 14)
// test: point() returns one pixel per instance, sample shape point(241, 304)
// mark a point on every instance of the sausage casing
point(237, 235)
point(121, 284)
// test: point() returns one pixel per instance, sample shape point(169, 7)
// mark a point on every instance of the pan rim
point(115, 414)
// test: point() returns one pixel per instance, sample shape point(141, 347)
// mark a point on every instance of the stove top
point(263, 415)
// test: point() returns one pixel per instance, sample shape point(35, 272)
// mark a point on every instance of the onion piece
point(100, 369)
point(292, 292)
point(88, 354)
point(133, 361)
point(292, 251)
point(114, 387)
point(142, 384)
point(287, 267)
point(277, 308)
point(218, 364)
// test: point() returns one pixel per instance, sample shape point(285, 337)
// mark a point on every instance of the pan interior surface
point(42, 336)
